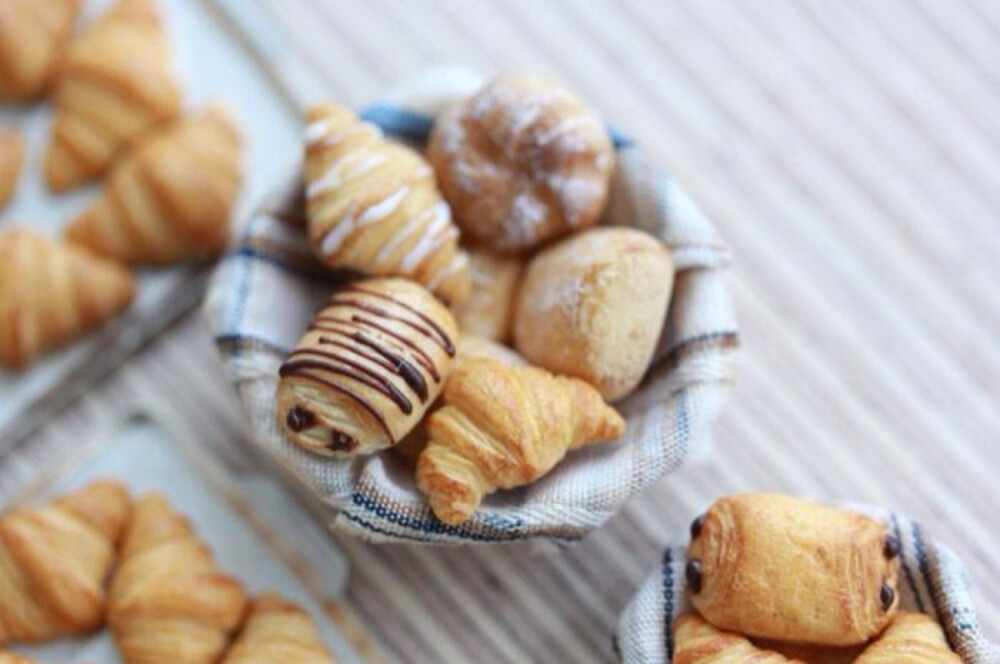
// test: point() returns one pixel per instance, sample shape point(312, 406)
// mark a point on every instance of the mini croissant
point(278, 632)
point(504, 427)
point(171, 197)
point(114, 84)
point(54, 560)
point(914, 638)
point(11, 160)
point(51, 293)
point(169, 603)
point(373, 206)
point(32, 35)
point(698, 642)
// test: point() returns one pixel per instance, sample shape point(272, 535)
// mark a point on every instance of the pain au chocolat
point(363, 376)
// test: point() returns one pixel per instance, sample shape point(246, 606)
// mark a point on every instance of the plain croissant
point(278, 632)
point(171, 198)
point(698, 642)
point(114, 84)
point(51, 293)
point(504, 427)
point(914, 638)
point(32, 35)
point(373, 206)
point(54, 560)
point(169, 603)
point(11, 160)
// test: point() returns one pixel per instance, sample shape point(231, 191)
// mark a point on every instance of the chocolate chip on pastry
point(769, 566)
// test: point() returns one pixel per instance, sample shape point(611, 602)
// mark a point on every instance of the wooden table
point(850, 153)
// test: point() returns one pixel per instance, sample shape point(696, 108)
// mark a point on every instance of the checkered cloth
point(268, 287)
point(933, 581)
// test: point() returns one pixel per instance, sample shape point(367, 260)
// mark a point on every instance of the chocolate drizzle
point(301, 372)
point(442, 337)
point(351, 369)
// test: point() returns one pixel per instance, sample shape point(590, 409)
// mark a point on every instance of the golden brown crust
point(522, 161)
point(913, 638)
point(593, 307)
point(373, 206)
point(51, 293)
point(32, 36)
point(504, 427)
point(169, 603)
point(471, 347)
point(114, 84)
point(373, 362)
point(170, 198)
point(11, 161)
point(54, 560)
point(698, 642)
point(278, 632)
point(778, 567)
point(489, 310)
point(14, 658)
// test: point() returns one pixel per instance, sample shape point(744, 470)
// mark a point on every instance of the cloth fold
point(267, 288)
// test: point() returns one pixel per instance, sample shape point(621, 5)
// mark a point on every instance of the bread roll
point(471, 347)
point(593, 306)
point(489, 310)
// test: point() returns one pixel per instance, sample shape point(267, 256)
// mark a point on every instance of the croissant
point(54, 560)
point(698, 642)
point(32, 35)
point(766, 565)
point(171, 197)
point(114, 84)
point(168, 602)
point(914, 638)
point(373, 206)
point(51, 293)
point(11, 160)
point(371, 364)
point(503, 427)
point(278, 632)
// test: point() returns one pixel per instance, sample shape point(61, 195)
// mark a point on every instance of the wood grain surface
point(849, 150)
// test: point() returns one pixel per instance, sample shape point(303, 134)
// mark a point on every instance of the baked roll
point(593, 307)
point(278, 632)
point(168, 602)
point(52, 293)
point(373, 206)
point(171, 198)
point(371, 364)
point(698, 642)
point(11, 161)
point(471, 347)
point(913, 638)
point(768, 566)
point(54, 560)
point(32, 36)
point(522, 161)
point(114, 84)
point(503, 427)
point(488, 312)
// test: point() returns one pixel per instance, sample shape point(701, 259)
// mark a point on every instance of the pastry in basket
point(698, 642)
point(373, 361)
point(171, 197)
point(51, 293)
point(913, 638)
point(471, 347)
point(593, 306)
point(32, 36)
point(169, 603)
point(114, 84)
point(14, 658)
point(278, 632)
point(54, 560)
point(488, 312)
point(373, 206)
point(504, 427)
point(11, 160)
point(783, 568)
point(522, 161)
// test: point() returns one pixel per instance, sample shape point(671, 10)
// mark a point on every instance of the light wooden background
point(850, 152)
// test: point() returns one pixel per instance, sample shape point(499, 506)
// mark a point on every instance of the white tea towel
point(933, 581)
point(266, 290)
